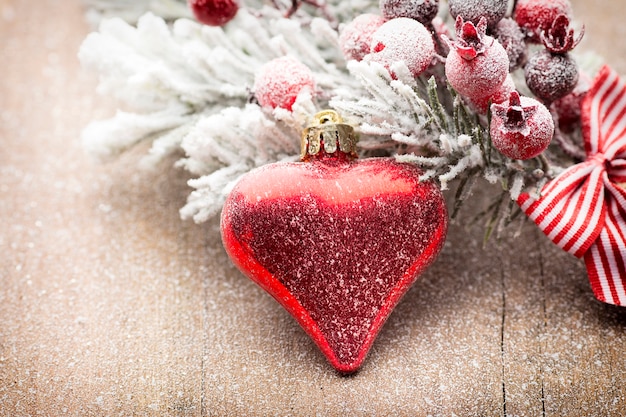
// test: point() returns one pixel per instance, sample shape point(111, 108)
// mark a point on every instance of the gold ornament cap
point(327, 134)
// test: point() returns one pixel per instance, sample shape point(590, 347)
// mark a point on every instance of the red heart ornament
point(336, 241)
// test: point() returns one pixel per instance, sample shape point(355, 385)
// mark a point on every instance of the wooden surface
point(111, 305)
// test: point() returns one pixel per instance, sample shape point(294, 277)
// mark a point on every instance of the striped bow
point(583, 210)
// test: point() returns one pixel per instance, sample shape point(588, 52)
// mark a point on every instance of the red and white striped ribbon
point(583, 210)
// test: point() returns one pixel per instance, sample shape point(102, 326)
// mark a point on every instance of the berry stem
point(461, 195)
point(514, 6)
point(322, 5)
point(440, 46)
point(545, 163)
point(435, 104)
point(485, 146)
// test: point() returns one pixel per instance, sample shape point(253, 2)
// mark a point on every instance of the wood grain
point(111, 305)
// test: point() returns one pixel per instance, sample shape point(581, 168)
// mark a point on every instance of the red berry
point(511, 37)
point(568, 107)
point(214, 12)
point(356, 37)
point(551, 76)
point(522, 128)
point(403, 39)
point(537, 16)
point(278, 82)
point(477, 64)
point(474, 10)
point(482, 104)
point(424, 11)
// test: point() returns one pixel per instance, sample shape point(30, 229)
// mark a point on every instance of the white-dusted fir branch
point(222, 147)
point(172, 75)
point(390, 108)
point(187, 89)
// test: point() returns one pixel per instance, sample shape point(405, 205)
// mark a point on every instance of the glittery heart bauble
point(336, 242)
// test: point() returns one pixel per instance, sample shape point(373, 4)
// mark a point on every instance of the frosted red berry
point(477, 64)
point(214, 12)
point(405, 40)
point(423, 11)
point(568, 108)
point(521, 128)
point(278, 82)
point(536, 16)
point(549, 76)
point(474, 10)
point(511, 37)
point(355, 38)
point(481, 105)
point(552, 73)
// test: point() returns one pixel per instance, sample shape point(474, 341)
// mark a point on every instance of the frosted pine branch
point(172, 75)
point(385, 108)
point(225, 146)
point(187, 89)
point(188, 85)
point(109, 138)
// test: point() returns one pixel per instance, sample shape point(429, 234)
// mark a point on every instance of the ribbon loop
point(583, 210)
point(571, 208)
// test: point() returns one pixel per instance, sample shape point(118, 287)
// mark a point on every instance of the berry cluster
point(477, 56)
point(487, 47)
